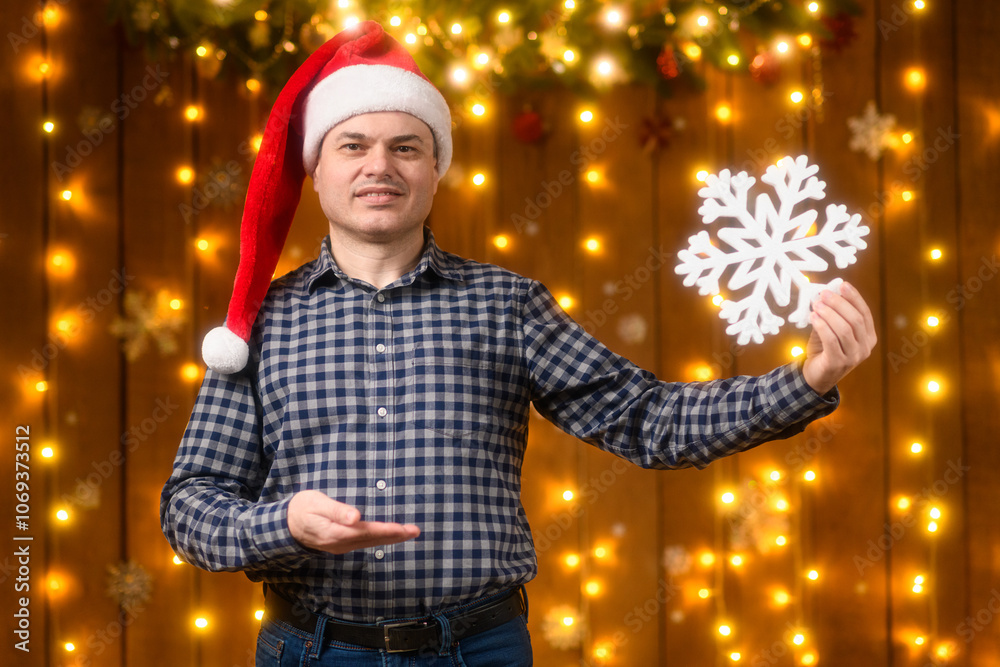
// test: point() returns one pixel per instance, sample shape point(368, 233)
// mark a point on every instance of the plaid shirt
point(411, 403)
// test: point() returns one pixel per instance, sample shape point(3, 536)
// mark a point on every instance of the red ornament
point(528, 127)
point(841, 29)
point(666, 63)
point(765, 68)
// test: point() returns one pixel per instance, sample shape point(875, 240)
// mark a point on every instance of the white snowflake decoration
point(771, 247)
point(871, 132)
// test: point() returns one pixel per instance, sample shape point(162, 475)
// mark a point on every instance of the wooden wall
point(114, 424)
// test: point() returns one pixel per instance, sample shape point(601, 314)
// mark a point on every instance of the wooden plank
point(690, 336)
point(847, 503)
point(28, 350)
point(227, 600)
point(615, 211)
point(158, 252)
point(976, 304)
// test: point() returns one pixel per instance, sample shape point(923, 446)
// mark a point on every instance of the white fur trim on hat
point(359, 89)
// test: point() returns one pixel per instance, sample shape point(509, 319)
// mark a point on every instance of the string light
point(501, 241)
point(601, 552)
point(703, 20)
point(797, 96)
point(260, 15)
point(176, 560)
point(704, 593)
point(586, 115)
point(906, 137)
point(592, 245)
point(566, 302)
point(727, 497)
point(176, 304)
point(192, 112)
point(569, 55)
point(202, 244)
point(808, 659)
point(66, 195)
point(572, 560)
point(919, 4)
point(718, 298)
point(41, 386)
point(479, 179)
point(799, 639)
point(253, 85)
point(796, 351)
point(478, 109)
point(736, 560)
point(592, 587)
point(185, 175)
point(935, 513)
point(936, 254)
point(933, 321)
point(503, 17)
point(812, 575)
point(725, 630)
point(724, 113)
point(190, 372)
point(48, 452)
point(907, 195)
point(781, 47)
point(48, 126)
point(781, 597)
point(813, 7)
point(395, 21)
point(735, 656)
point(69, 646)
point(567, 495)
point(707, 558)
point(805, 40)
point(201, 622)
point(933, 386)
point(593, 176)
point(733, 59)
point(701, 175)
point(692, 51)
point(903, 503)
point(915, 79)
point(62, 514)
point(258, 614)
point(456, 28)
point(809, 475)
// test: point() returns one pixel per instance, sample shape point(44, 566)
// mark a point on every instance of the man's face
point(377, 175)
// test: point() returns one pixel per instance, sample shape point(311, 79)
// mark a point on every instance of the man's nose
point(378, 162)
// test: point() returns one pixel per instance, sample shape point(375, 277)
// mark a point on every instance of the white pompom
point(224, 351)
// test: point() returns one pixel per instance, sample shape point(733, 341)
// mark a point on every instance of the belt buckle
point(392, 626)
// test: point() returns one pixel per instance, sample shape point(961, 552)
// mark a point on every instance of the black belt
point(398, 636)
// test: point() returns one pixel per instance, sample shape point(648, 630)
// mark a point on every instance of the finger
point(337, 512)
point(847, 312)
point(852, 294)
point(369, 534)
point(834, 331)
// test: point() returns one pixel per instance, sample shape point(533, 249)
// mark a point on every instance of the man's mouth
point(379, 196)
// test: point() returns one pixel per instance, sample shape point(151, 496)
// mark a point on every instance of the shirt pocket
point(451, 390)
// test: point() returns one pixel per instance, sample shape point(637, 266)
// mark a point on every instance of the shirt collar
point(442, 263)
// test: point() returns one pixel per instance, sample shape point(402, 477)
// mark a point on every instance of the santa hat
point(360, 70)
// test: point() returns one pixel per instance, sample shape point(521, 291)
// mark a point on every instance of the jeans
point(281, 645)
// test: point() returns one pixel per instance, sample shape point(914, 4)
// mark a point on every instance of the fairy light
point(567, 495)
point(479, 179)
point(796, 351)
point(933, 321)
point(253, 85)
point(724, 113)
point(799, 639)
point(918, 584)
point(256, 141)
point(916, 448)
point(176, 560)
point(410, 38)
point(727, 497)
point(190, 371)
point(201, 51)
point(192, 112)
point(919, 640)
point(704, 593)
point(932, 527)
point(718, 298)
point(571, 560)
point(503, 17)
point(69, 646)
point(66, 195)
point(201, 622)
point(459, 75)
point(736, 560)
point(781, 540)
point(692, 51)
point(601, 552)
point(185, 175)
point(701, 175)
point(906, 137)
point(258, 614)
point(176, 304)
point(935, 513)
point(796, 96)
point(48, 126)
point(44, 68)
point(781, 597)
point(919, 4)
point(566, 302)
point(781, 47)
point(48, 452)
point(569, 55)
point(809, 475)
point(613, 17)
point(586, 115)
point(605, 67)
point(501, 241)
point(725, 630)
point(260, 15)
point(202, 244)
point(456, 28)
point(915, 79)
point(907, 195)
point(41, 386)
point(602, 652)
point(775, 475)
point(812, 575)
point(933, 386)
point(62, 515)
point(702, 373)
point(351, 21)
point(50, 16)
point(813, 7)
point(478, 109)
point(735, 656)
point(808, 659)
point(936, 254)
point(707, 558)
point(593, 176)
point(903, 503)
point(395, 21)
point(592, 245)
point(569, 4)
point(592, 587)
point(781, 505)
point(733, 59)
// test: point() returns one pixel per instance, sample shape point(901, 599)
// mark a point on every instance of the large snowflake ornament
point(770, 249)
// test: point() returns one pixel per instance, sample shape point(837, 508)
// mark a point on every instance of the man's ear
point(437, 178)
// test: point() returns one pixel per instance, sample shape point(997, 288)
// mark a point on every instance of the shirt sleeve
point(605, 400)
point(209, 508)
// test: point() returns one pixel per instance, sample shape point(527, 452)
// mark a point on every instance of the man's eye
point(405, 149)
point(352, 147)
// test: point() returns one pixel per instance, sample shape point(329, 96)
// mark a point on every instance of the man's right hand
point(319, 522)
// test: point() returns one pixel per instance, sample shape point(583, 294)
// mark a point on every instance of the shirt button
point(382, 412)
point(380, 484)
point(381, 297)
point(380, 348)
point(379, 554)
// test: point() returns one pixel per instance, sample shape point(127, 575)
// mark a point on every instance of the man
point(360, 452)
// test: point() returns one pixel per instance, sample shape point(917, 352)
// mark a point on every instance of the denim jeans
point(281, 645)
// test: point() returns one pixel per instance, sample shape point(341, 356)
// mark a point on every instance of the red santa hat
point(360, 70)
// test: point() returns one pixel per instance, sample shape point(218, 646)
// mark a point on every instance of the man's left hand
point(843, 336)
